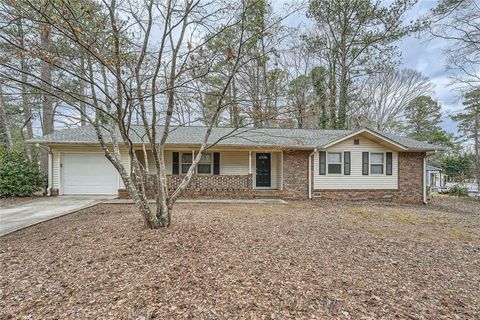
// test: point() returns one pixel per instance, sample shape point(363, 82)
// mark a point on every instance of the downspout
point(50, 172)
point(424, 186)
point(310, 173)
point(50, 168)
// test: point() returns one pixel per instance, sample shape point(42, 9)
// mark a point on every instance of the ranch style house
point(253, 162)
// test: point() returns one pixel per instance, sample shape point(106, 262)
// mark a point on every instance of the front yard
point(302, 260)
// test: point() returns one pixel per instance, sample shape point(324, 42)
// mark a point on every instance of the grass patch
point(399, 216)
point(360, 212)
point(464, 235)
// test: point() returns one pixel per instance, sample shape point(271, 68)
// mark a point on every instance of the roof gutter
point(177, 145)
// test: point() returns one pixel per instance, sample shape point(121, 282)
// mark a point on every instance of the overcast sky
point(417, 53)
point(426, 56)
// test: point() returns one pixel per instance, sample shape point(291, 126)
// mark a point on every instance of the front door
point(264, 172)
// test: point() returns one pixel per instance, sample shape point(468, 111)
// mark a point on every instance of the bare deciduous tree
point(384, 96)
point(139, 56)
point(458, 22)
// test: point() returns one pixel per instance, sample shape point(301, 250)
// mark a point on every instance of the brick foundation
point(215, 186)
point(213, 182)
point(54, 192)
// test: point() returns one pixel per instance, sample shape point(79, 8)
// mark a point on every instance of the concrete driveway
point(32, 212)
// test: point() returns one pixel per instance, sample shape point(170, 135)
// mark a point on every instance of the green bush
point(19, 176)
point(459, 191)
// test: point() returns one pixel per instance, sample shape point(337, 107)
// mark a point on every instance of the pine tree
point(424, 116)
point(469, 125)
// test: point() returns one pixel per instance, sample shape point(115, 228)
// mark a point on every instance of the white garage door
point(88, 173)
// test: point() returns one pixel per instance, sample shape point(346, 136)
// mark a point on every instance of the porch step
point(266, 194)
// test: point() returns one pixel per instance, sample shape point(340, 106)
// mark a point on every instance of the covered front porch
point(239, 171)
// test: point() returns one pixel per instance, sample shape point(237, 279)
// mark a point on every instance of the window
point(376, 163)
point(334, 163)
point(205, 164)
point(186, 162)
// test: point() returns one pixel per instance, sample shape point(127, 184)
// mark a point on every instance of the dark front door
point(264, 171)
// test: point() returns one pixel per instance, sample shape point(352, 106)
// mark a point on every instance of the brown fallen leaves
point(303, 260)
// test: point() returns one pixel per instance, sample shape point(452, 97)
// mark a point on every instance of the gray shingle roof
point(252, 137)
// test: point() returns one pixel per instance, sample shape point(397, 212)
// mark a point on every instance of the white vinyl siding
point(356, 180)
point(274, 171)
point(279, 171)
point(234, 163)
point(231, 162)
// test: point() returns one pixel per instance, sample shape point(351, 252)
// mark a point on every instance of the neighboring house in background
point(435, 178)
point(249, 163)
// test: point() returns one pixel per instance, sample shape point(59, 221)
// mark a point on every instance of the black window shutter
point(216, 163)
point(365, 157)
point(175, 163)
point(322, 162)
point(346, 163)
point(389, 164)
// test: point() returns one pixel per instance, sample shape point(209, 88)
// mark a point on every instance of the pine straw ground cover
point(303, 260)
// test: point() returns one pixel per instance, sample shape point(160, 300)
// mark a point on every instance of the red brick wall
point(295, 174)
point(410, 176)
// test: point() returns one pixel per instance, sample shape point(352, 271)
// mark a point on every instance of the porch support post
point(250, 167)
point(281, 163)
point(250, 162)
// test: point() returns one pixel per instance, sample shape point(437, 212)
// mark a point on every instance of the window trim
point(340, 163)
point(377, 163)
point(181, 163)
point(211, 164)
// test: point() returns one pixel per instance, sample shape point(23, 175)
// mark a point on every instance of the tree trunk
point(4, 127)
point(83, 119)
point(234, 112)
point(477, 144)
point(27, 109)
point(333, 100)
point(343, 100)
point(164, 215)
point(46, 75)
